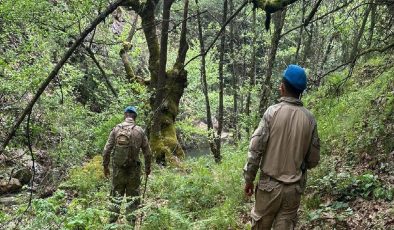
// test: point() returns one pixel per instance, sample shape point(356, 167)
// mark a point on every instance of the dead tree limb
point(56, 69)
point(125, 57)
point(103, 74)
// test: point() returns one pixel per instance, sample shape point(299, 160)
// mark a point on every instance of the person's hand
point(249, 189)
point(147, 171)
point(106, 172)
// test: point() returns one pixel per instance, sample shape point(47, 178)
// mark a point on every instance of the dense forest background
point(201, 73)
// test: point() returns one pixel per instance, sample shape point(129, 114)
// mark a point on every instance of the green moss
point(166, 144)
point(272, 6)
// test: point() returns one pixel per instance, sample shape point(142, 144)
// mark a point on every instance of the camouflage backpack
point(123, 146)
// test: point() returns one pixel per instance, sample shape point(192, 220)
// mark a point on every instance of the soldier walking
point(126, 139)
point(284, 145)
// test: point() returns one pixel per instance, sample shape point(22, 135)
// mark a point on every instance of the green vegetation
point(345, 46)
point(356, 114)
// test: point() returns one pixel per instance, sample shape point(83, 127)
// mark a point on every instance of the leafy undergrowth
point(204, 195)
point(199, 195)
point(351, 189)
point(353, 186)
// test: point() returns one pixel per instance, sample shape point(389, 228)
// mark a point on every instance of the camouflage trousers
point(125, 181)
point(276, 205)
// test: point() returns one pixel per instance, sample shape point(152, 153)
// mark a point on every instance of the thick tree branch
point(125, 56)
point(149, 27)
point(161, 77)
point(183, 46)
point(271, 6)
point(57, 67)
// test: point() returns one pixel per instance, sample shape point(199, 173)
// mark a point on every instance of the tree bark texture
point(218, 156)
point(308, 45)
point(235, 87)
point(252, 73)
point(299, 39)
point(204, 84)
point(167, 86)
point(124, 55)
point(356, 41)
point(372, 25)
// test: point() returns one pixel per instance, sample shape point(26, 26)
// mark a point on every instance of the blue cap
point(296, 76)
point(130, 109)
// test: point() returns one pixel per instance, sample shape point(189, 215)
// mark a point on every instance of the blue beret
point(296, 76)
point(130, 109)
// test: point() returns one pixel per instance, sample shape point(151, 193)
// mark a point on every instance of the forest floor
point(352, 188)
point(200, 195)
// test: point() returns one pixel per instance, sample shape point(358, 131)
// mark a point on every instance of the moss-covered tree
point(167, 86)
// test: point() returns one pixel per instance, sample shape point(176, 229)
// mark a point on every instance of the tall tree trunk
point(299, 40)
point(218, 157)
point(316, 53)
point(325, 57)
point(204, 84)
point(278, 19)
point(161, 78)
point(308, 45)
point(356, 41)
point(234, 78)
point(167, 87)
point(130, 75)
point(372, 25)
point(170, 87)
point(162, 154)
point(252, 74)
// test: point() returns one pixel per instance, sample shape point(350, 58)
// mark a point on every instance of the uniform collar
point(291, 100)
point(129, 120)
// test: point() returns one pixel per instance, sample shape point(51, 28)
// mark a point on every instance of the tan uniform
point(126, 178)
point(285, 142)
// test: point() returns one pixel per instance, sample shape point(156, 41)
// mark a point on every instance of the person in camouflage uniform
point(126, 139)
point(284, 145)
